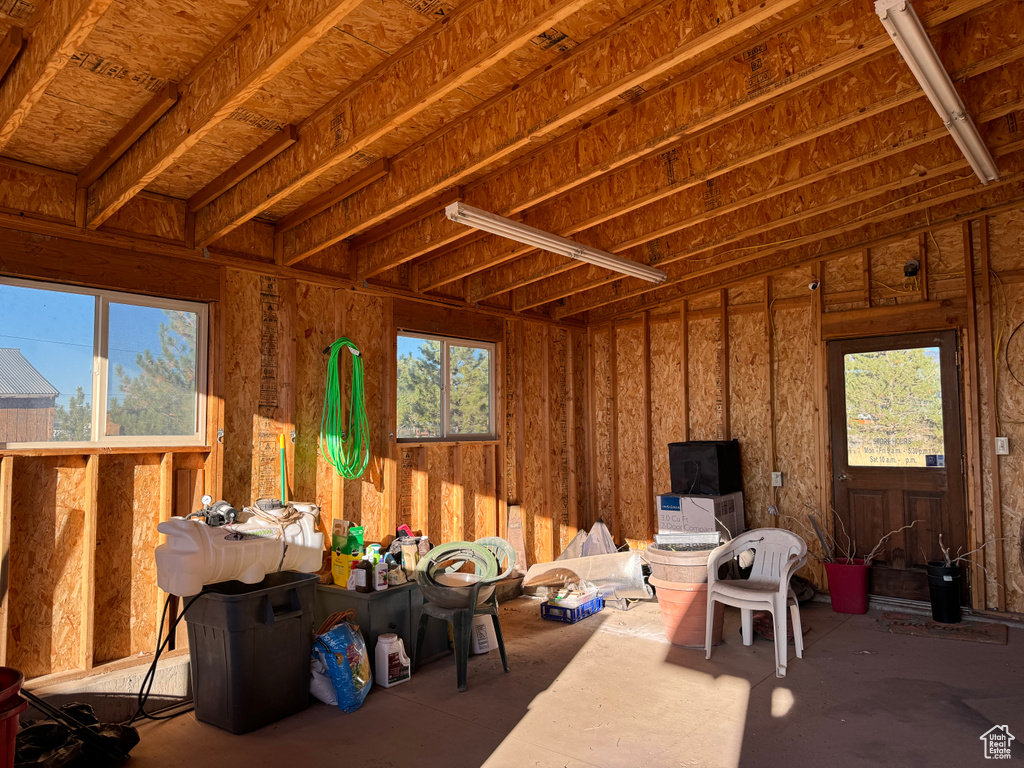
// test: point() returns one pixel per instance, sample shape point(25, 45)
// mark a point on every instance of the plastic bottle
point(391, 664)
point(362, 572)
point(380, 576)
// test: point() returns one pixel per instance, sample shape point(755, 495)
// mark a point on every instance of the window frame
point(101, 365)
point(446, 343)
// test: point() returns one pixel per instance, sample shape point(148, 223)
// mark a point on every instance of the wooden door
point(896, 454)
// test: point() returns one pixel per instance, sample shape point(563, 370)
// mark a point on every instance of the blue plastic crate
point(571, 615)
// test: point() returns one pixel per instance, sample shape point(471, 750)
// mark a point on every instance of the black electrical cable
point(1009, 366)
point(150, 678)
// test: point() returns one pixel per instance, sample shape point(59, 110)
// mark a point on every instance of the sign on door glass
point(894, 408)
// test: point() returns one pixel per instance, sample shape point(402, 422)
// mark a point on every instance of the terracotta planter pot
point(848, 585)
point(684, 610)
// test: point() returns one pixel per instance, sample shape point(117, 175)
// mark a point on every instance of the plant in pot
point(944, 582)
point(847, 574)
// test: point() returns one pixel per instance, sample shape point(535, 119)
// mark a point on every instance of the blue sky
point(54, 331)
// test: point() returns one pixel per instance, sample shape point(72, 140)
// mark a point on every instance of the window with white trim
point(80, 366)
point(445, 388)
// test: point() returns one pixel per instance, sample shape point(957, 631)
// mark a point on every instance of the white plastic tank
point(196, 554)
point(391, 665)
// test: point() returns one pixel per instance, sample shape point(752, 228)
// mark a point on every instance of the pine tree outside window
point(445, 389)
point(119, 369)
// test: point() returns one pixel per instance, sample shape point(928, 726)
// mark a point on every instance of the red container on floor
point(684, 612)
point(9, 719)
point(848, 585)
point(11, 681)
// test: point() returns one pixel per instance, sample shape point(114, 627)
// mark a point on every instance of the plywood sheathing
point(47, 523)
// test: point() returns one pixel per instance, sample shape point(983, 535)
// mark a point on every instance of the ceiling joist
point(10, 47)
point(648, 44)
point(699, 102)
point(444, 58)
point(58, 33)
point(273, 35)
point(364, 178)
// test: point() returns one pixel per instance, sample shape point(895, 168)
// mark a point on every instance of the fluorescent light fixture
point(545, 241)
point(905, 27)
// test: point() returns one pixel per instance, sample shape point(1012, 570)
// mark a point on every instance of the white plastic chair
point(777, 555)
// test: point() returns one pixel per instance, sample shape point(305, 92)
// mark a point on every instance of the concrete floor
point(610, 691)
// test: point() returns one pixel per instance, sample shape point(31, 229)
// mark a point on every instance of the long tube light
point(907, 32)
point(545, 241)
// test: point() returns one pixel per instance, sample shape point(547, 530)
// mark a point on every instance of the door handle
point(841, 478)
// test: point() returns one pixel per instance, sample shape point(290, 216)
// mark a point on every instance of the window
point(894, 408)
point(445, 388)
point(87, 366)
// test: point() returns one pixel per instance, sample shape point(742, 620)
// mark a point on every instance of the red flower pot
point(848, 585)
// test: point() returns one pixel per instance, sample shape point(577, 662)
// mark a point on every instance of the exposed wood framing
point(166, 512)
point(823, 448)
point(259, 157)
point(6, 509)
point(375, 170)
point(546, 447)
point(155, 108)
point(684, 368)
point(651, 42)
point(411, 216)
point(988, 340)
point(648, 457)
point(613, 430)
point(442, 59)
point(769, 334)
point(60, 32)
point(723, 351)
point(973, 442)
point(10, 47)
point(271, 37)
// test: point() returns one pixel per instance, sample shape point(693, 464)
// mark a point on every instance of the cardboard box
point(697, 514)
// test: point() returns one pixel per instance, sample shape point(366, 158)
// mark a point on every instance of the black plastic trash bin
point(250, 646)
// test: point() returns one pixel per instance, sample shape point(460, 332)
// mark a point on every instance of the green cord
point(348, 452)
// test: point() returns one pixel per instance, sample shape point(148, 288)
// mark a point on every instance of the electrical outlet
point(776, 479)
point(1002, 446)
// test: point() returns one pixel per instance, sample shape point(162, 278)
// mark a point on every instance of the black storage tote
point(250, 646)
point(705, 467)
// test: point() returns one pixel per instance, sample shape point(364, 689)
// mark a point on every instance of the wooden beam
point(591, 517)
point(823, 454)
point(648, 456)
point(769, 334)
point(611, 182)
point(270, 38)
point(866, 265)
point(429, 207)
point(10, 47)
point(259, 157)
point(723, 361)
point(654, 40)
point(155, 108)
point(613, 430)
point(90, 513)
point(60, 32)
point(166, 512)
point(6, 510)
point(337, 482)
point(591, 287)
point(942, 211)
point(378, 169)
point(571, 395)
point(974, 453)
point(684, 367)
point(988, 359)
point(922, 257)
point(442, 59)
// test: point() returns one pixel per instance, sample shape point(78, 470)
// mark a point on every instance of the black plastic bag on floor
point(49, 744)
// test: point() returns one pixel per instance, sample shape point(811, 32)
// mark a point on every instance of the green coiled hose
point(347, 451)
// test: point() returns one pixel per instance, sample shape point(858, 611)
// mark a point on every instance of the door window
point(894, 408)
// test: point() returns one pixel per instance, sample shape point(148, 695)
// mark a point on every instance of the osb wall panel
point(888, 283)
point(242, 382)
point(558, 448)
point(365, 323)
point(844, 276)
point(946, 263)
point(475, 503)
point(666, 397)
point(510, 413)
point(795, 429)
point(705, 301)
point(602, 418)
point(749, 415)
point(314, 332)
point(704, 355)
point(47, 523)
point(126, 537)
point(578, 340)
point(45, 194)
point(162, 218)
point(791, 283)
point(632, 433)
point(535, 499)
point(1006, 240)
point(441, 517)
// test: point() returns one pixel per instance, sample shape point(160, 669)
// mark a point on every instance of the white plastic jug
point(196, 554)
point(391, 664)
point(484, 637)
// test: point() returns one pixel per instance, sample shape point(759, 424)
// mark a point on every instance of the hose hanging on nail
point(348, 450)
